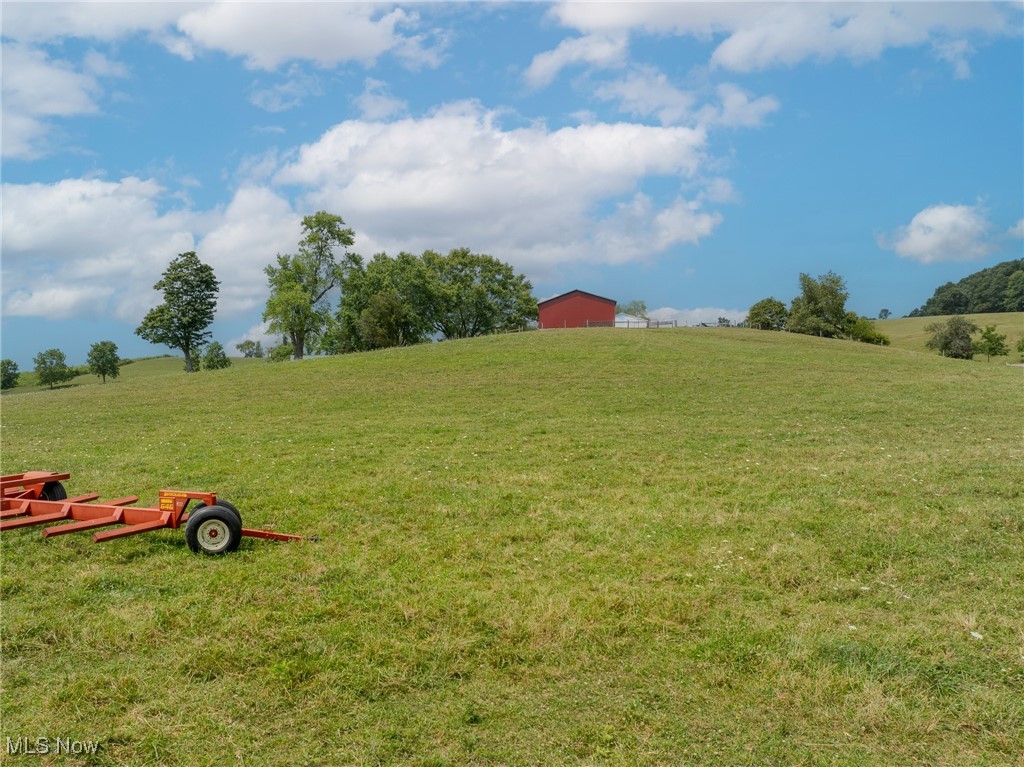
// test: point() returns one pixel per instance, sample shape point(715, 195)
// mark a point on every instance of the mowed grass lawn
point(693, 546)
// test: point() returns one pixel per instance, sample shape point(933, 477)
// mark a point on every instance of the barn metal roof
point(571, 292)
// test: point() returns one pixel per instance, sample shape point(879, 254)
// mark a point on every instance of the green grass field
point(602, 547)
point(910, 333)
point(145, 368)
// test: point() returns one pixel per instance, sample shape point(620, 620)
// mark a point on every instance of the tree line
point(103, 361)
point(999, 288)
point(408, 299)
point(51, 366)
point(399, 301)
point(819, 310)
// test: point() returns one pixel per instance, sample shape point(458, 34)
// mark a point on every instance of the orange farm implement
point(37, 497)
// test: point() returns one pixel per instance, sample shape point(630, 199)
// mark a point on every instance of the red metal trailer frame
point(24, 502)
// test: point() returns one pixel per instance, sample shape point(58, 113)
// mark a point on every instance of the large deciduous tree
point(473, 294)
point(299, 283)
point(103, 360)
point(52, 367)
point(768, 314)
point(820, 309)
point(190, 300)
point(952, 338)
point(383, 303)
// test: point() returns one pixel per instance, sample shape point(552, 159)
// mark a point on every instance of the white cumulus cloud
point(47, 22)
point(597, 50)
point(530, 195)
point(647, 92)
point(242, 239)
point(287, 94)
point(736, 108)
point(112, 243)
point(36, 89)
point(943, 233)
point(756, 36)
point(376, 101)
point(256, 333)
point(267, 35)
point(56, 303)
point(107, 233)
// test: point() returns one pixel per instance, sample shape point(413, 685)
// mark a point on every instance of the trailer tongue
point(38, 498)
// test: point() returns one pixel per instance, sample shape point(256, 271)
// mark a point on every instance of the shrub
point(214, 357)
point(282, 353)
point(952, 338)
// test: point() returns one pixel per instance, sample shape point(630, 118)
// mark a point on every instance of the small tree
point(884, 314)
point(8, 374)
point(250, 349)
point(992, 344)
point(52, 367)
point(952, 338)
point(214, 358)
point(768, 314)
point(103, 360)
point(190, 299)
point(1020, 348)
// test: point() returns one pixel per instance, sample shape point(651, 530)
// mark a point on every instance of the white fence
point(632, 324)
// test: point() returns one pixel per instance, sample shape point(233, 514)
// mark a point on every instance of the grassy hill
point(690, 546)
point(135, 370)
point(910, 333)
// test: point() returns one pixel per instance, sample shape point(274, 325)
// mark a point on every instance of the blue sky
point(696, 156)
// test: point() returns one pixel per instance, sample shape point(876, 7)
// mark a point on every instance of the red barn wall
point(575, 310)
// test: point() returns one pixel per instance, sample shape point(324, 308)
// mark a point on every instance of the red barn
point(575, 309)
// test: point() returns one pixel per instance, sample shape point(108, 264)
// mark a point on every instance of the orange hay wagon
point(213, 527)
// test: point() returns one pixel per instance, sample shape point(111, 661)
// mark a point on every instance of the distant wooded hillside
point(997, 289)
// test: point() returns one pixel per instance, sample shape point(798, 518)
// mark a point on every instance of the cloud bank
point(536, 197)
point(758, 36)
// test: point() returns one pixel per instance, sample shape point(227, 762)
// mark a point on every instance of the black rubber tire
point(213, 530)
point(53, 491)
point(225, 504)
